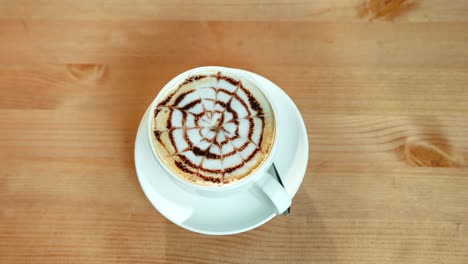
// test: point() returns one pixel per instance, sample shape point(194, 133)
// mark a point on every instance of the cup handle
point(275, 192)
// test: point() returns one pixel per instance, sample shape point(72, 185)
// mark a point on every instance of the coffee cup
point(237, 140)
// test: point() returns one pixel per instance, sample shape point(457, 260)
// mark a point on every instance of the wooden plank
point(242, 10)
point(316, 90)
point(235, 43)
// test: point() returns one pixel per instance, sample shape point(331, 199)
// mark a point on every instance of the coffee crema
point(213, 128)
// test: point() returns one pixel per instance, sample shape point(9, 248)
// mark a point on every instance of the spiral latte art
point(213, 128)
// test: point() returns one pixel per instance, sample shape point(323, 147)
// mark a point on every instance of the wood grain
point(384, 101)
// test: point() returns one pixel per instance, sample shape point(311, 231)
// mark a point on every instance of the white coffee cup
point(259, 181)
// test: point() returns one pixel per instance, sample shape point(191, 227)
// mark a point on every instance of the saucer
point(237, 212)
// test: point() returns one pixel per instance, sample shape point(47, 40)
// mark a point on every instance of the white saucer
point(238, 212)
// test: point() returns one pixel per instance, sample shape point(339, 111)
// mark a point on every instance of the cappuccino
point(213, 128)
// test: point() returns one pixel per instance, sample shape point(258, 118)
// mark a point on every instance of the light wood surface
point(383, 90)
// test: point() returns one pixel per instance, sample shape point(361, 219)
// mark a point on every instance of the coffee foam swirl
point(213, 128)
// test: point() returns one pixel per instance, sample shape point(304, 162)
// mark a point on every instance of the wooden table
point(383, 91)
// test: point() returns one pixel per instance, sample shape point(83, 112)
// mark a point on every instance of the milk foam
point(213, 128)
